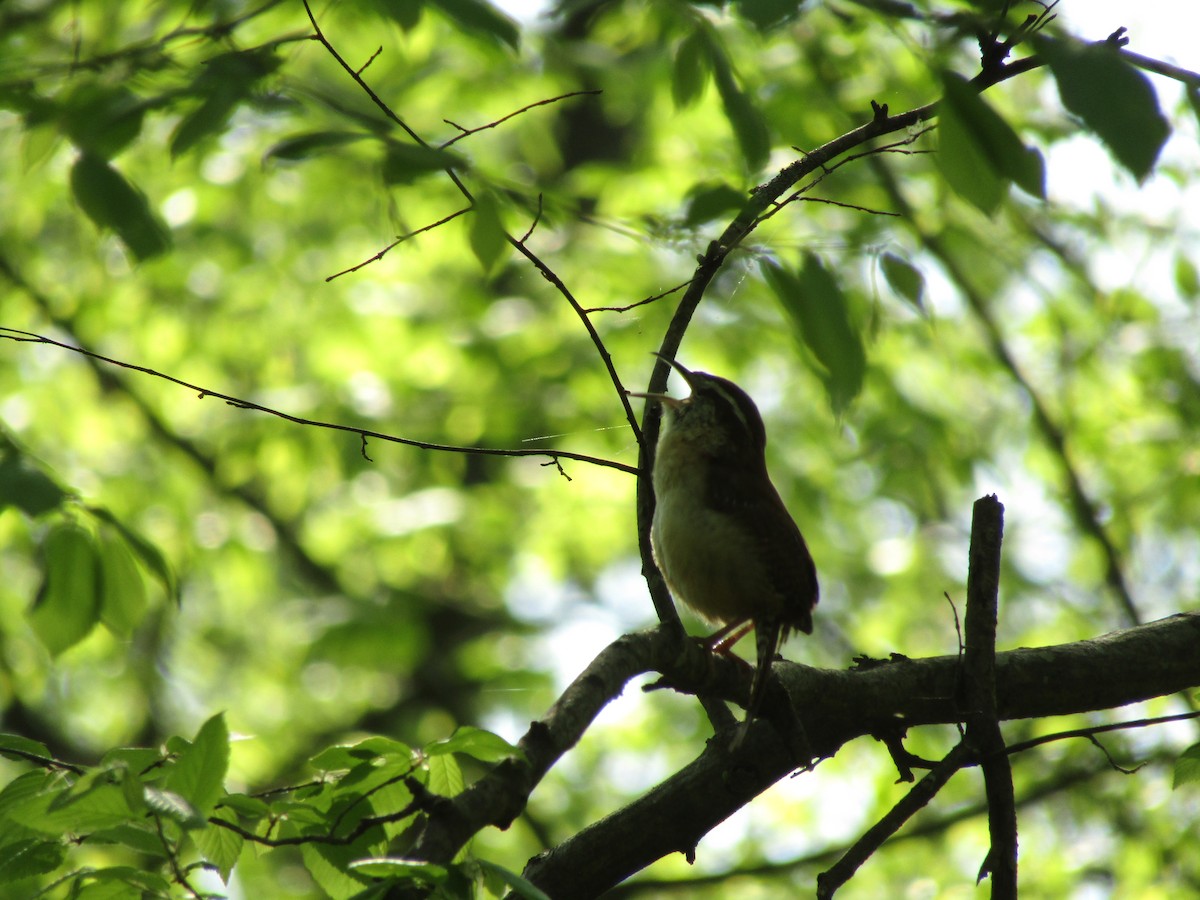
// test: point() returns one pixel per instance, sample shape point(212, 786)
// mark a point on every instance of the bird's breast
point(709, 560)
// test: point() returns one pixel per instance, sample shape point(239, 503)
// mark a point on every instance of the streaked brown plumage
point(722, 537)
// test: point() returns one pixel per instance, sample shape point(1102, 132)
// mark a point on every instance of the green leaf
point(29, 792)
point(522, 886)
point(100, 119)
point(482, 18)
point(29, 857)
point(445, 776)
point(244, 805)
point(313, 143)
point(978, 152)
point(122, 883)
point(1113, 99)
point(1193, 96)
point(691, 69)
point(820, 316)
point(67, 605)
point(122, 588)
point(1187, 278)
point(113, 203)
point(95, 802)
point(410, 869)
point(407, 14)
point(330, 865)
point(487, 236)
point(767, 15)
point(475, 742)
point(20, 744)
point(198, 775)
point(174, 807)
point(348, 756)
point(208, 119)
point(1187, 767)
point(405, 163)
point(220, 846)
point(224, 82)
point(133, 759)
point(749, 126)
point(148, 554)
point(710, 201)
point(27, 487)
point(905, 279)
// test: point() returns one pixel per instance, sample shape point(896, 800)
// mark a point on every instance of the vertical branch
point(983, 726)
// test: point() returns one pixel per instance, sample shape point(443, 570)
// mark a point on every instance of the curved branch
point(29, 337)
point(1122, 667)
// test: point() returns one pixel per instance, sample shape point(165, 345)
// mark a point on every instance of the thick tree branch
point(838, 706)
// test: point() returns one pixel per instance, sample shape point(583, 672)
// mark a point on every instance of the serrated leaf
point(445, 776)
point(691, 68)
point(27, 487)
point(1116, 101)
point(820, 315)
point(24, 798)
point(122, 883)
point(219, 845)
point(347, 756)
point(481, 17)
point(475, 742)
point(520, 885)
point(94, 803)
point(21, 744)
point(391, 867)
point(140, 836)
point(113, 203)
point(67, 605)
point(1187, 767)
point(313, 143)
point(905, 279)
point(487, 236)
point(133, 759)
point(244, 805)
point(329, 864)
point(29, 857)
point(198, 775)
point(173, 807)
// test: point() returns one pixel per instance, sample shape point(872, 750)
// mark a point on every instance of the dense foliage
point(240, 653)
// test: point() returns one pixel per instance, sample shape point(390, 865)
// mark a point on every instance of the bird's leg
point(766, 642)
point(723, 640)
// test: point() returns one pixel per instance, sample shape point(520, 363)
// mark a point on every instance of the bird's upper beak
point(667, 399)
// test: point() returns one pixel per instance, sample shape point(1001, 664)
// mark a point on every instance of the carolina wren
point(721, 535)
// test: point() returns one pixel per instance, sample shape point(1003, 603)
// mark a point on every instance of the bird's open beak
point(667, 399)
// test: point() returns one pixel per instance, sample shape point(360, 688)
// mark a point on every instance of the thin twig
point(521, 248)
point(396, 243)
point(620, 309)
point(15, 334)
point(467, 132)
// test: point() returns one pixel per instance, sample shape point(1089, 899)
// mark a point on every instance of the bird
point(721, 535)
